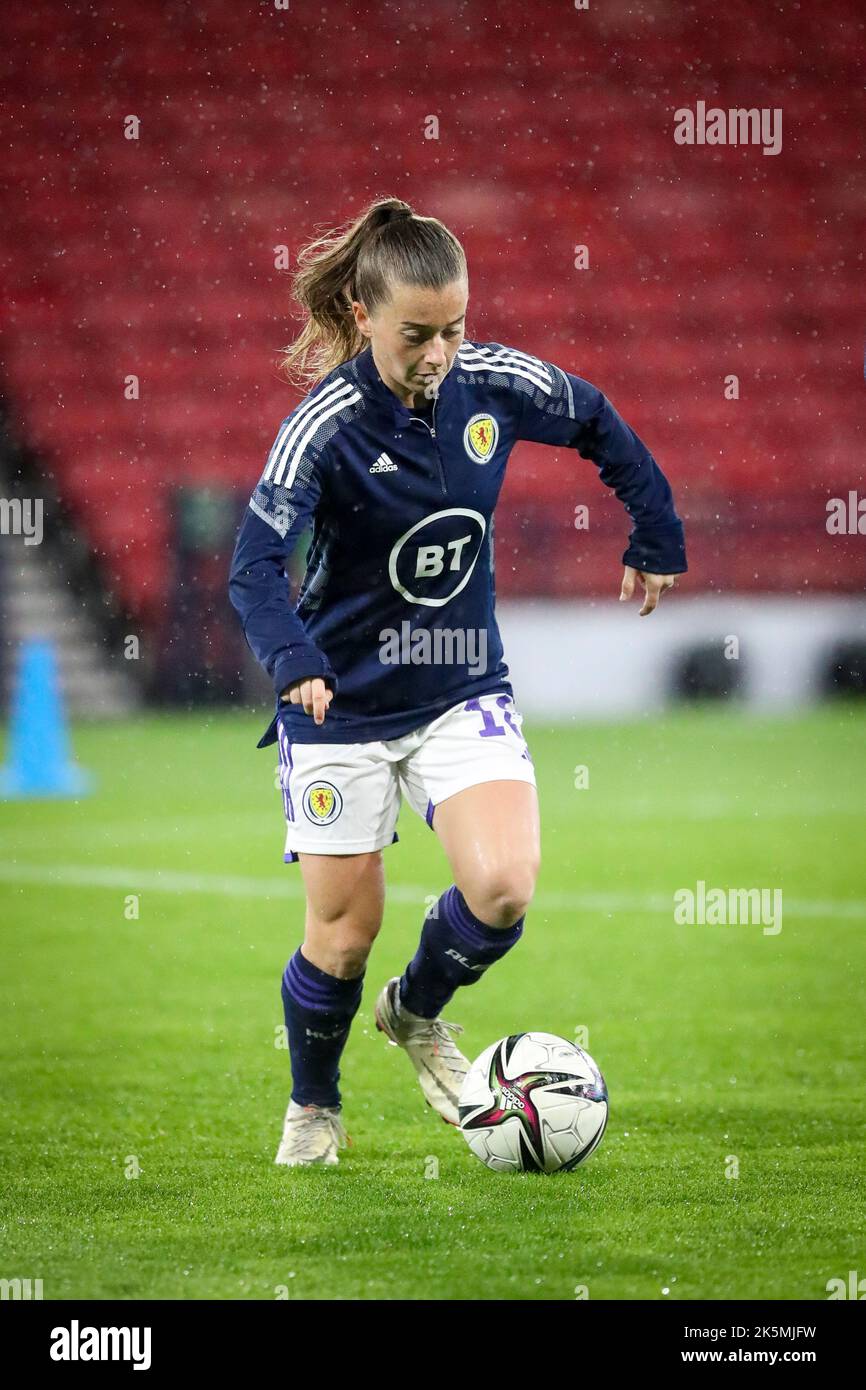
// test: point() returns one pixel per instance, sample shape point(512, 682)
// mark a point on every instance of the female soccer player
point(389, 672)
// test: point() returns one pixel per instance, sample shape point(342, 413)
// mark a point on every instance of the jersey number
point(491, 729)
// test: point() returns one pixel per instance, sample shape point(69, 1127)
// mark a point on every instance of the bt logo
point(429, 559)
point(430, 564)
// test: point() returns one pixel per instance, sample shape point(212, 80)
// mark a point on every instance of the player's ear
point(362, 318)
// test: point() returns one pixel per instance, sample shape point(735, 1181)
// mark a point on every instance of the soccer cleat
point(311, 1134)
point(440, 1065)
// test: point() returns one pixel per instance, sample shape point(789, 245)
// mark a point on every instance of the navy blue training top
point(400, 571)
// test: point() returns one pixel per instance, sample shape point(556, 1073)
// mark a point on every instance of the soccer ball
point(533, 1103)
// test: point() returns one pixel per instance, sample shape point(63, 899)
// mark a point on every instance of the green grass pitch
point(148, 1045)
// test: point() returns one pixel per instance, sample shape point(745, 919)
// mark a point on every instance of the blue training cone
point(38, 760)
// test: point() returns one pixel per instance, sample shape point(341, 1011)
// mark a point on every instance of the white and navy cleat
point(439, 1063)
point(311, 1134)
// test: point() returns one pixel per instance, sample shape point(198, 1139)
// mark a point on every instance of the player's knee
point(343, 946)
point(504, 894)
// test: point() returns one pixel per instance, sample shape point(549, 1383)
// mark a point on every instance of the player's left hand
point(654, 586)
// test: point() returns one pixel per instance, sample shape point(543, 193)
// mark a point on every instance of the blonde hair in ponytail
point(388, 244)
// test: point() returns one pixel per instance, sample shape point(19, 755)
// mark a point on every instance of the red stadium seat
point(156, 256)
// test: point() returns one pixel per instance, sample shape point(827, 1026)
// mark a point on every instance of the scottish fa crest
point(480, 438)
point(322, 803)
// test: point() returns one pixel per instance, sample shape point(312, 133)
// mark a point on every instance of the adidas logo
point(511, 1100)
point(383, 465)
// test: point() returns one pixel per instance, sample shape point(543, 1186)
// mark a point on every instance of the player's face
point(415, 336)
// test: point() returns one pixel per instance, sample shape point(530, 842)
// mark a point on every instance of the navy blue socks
point(456, 948)
point(319, 1010)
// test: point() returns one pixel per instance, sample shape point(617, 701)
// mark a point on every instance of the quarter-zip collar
point(368, 374)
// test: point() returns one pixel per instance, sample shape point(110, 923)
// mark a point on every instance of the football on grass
point(533, 1102)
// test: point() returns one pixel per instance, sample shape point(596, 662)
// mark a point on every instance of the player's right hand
point(312, 693)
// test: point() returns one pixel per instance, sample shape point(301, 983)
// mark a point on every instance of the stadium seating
point(154, 257)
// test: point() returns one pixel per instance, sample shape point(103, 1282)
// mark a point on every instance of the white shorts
point(344, 798)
